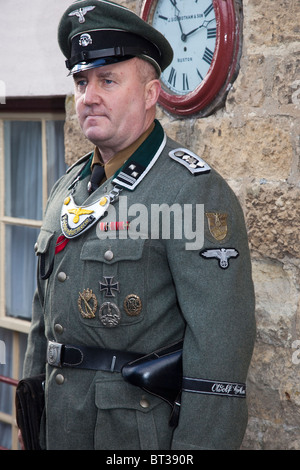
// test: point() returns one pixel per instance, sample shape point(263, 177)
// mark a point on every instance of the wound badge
point(132, 305)
point(110, 314)
point(87, 303)
point(217, 224)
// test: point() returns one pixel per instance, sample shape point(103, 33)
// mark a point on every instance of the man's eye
point(81, 83)
point(107, 81)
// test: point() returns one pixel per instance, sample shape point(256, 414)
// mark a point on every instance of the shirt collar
point(115, 163)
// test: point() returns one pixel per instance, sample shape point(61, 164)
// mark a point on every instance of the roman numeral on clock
point(211, 33)
point(185, 83)
point(208, 55)
point(199, 74)
point(208, 10)
point(172, 77)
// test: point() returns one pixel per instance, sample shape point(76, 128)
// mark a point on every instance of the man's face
point(111, 104)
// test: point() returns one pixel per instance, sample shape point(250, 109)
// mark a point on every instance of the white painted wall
point(31, 63)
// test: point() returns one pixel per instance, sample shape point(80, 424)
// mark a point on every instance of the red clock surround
point(212, 90)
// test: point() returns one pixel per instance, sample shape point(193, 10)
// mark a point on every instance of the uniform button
point(62, 276)
point(58, 328)
point(144, 403)
point(59, 379)
point(108, 255)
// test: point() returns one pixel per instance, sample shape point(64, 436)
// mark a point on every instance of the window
point(31, 160)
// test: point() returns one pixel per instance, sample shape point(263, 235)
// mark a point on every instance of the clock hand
point(174, 3)
point(183, 36)
point(203, 25)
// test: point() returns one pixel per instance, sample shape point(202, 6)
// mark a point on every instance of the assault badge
point(87, 303)
point(217, 224)
point(190, 160)
point(222, 254)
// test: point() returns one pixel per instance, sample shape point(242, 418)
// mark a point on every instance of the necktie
point(97, 175)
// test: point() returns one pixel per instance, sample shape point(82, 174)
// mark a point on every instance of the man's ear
point(152, 91)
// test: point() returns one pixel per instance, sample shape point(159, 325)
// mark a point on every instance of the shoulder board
point(78, 162)
point(190, 160)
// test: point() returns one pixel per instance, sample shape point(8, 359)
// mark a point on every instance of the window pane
point(6, 391)
point(23, 169)
point(5, 435)
point(56, 165)
point(20, 279)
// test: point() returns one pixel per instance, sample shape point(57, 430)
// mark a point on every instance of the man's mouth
point(94, 116)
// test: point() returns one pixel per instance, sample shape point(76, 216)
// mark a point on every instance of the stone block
point(271, 23)
point(277, 297)
point(273, 400)
point(273, 220)
point(286, 82)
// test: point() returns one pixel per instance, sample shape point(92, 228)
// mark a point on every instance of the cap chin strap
point(152, 62)
point(117, 52)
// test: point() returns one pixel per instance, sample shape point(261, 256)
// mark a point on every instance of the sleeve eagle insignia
point(222, 254)
point(190, 160)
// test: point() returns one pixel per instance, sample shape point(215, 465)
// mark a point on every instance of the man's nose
point(91, 94)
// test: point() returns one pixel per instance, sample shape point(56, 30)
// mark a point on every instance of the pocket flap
point(43, 241)
point(116, 394)
point(127, 249)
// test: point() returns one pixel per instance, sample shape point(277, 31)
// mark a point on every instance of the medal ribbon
point(61, 242)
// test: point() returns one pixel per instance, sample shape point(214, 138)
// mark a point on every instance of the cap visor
point(82, 66)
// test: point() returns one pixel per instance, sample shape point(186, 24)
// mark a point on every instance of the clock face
point(190, 27)
point(205, 37)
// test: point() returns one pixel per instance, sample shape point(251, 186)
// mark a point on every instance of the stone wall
point(253, 141)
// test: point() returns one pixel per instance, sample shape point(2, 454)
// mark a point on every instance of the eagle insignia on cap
point(81, 12)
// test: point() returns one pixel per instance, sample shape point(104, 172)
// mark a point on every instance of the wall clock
point(206, 39)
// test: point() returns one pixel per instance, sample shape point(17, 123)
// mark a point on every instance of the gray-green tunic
point(182, 294)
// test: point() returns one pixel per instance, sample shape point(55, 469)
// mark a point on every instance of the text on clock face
point(193, 37)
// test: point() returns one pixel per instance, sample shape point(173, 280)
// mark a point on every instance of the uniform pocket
point(115, 271)
point(112, 251)
point(129, 418)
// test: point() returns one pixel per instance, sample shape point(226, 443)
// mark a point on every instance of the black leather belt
point(113, 360)
point(84, 357)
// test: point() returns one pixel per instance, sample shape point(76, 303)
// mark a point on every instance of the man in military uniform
point(113, 285)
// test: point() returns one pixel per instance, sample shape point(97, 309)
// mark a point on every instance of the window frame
point(17, 324)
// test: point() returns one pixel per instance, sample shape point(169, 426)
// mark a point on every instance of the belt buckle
point(54, 353)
